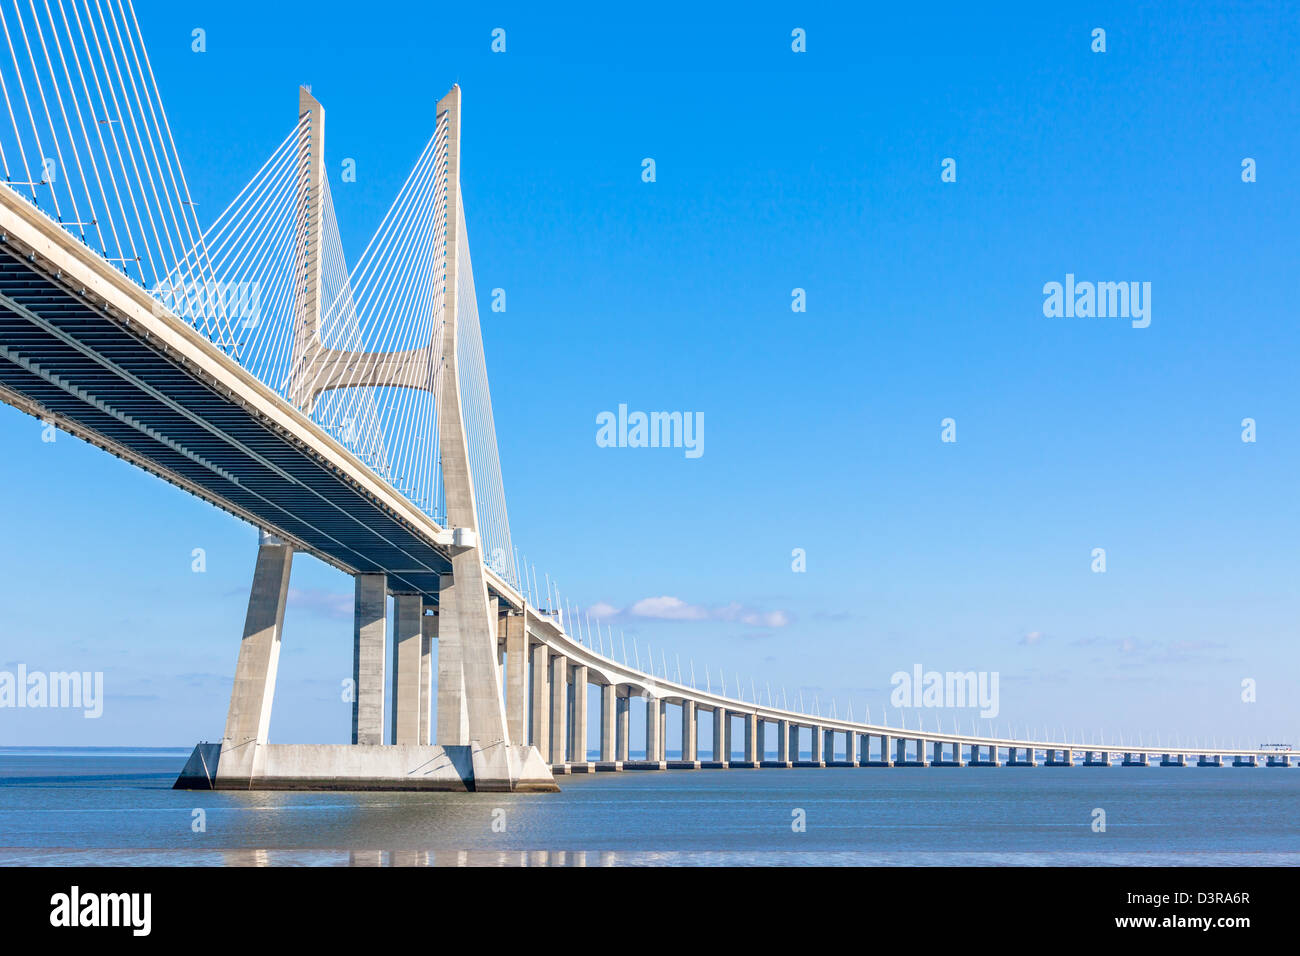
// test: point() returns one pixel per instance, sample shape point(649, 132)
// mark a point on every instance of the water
point(65, 806)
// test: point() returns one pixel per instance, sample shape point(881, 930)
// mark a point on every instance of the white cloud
point(668, 608)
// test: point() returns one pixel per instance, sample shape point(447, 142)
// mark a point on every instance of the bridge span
point(348, 418)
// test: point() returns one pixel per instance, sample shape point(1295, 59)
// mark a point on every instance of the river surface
point(90, 807)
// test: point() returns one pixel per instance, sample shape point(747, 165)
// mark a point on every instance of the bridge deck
point(114, 382)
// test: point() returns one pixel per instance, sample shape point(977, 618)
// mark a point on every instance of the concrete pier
point(783, 742)
point(1210, 760)
point(369, 643)
point(248, 719)
point(559, 713)
point(654, 746)
point(1173, 760)
point(720, 740)
point(607, 729)
point(516, 637)
point(541, 708)
point(1096, 758)
point(1135, 760)
point(408, 619)
point(1246, 761)
point(578, 762)
point(689, 759)
point(622, 727)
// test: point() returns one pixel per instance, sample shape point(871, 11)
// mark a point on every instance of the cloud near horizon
point(668, 608)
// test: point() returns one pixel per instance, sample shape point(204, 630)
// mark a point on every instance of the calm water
point(116, 807)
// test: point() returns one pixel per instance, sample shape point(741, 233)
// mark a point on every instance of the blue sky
point(778, 170)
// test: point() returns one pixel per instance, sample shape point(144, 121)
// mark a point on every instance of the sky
point(778, 170)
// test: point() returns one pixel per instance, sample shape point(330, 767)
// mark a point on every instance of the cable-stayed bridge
point(345, 411)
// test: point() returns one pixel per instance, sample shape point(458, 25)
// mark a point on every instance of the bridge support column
point(783, 742)
point(428, 634)
point(751, 740)
point(516, 676)
point(851, 748)
point(689, 759)
point(816, 757)
point(541, 729)
point(559, 712)
point(1209, 760)
point(760, 746)
point(828, 747)
point(607, 729)
point(409, 610)
point(886, 759)
point(622, 727)
point(653, 731)
point(369, 643)
point(921, 758)
point(721, 738)
point(956, 754)
point(248, 720)
point(578, 748)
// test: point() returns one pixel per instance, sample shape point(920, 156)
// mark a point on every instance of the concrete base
point(840, 763)
point(809, 763)
point(713, 765)
point(1215, 761)
point(1244, 762)
point(561, 768)
point(683, 765)
point(743, 764)
point(583, 766)
point(645, 765)
point(875, 763)
point(776, 765)
point(367, 767)
point(1173, 760)
point(608, 766)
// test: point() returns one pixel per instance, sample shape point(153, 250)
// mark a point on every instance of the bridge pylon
point(473, 746)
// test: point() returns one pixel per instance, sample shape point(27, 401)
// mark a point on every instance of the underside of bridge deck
point(67, 361)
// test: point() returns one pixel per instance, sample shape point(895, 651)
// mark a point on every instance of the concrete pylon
point(248, 720)
point(474, 746)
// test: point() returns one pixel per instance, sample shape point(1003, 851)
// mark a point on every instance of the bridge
point(345, 412)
